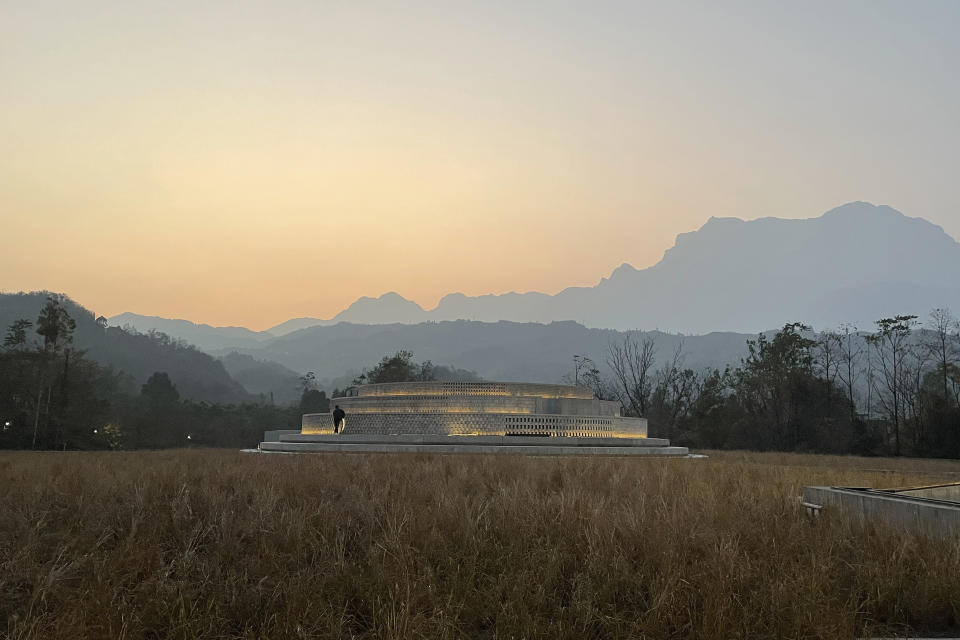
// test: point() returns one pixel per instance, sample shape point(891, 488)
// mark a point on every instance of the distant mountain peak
point(391, 298)
point(717, 220)
point(859, 208)
point(866, 213)
point(855, 209)
point(848, 264)
point(386, 308)
point(625, 269)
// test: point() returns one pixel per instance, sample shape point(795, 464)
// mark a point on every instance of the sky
point(242, 163)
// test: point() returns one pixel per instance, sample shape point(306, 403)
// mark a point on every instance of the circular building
point(472, 417)
point(477, 409)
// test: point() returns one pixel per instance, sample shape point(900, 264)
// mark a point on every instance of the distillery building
point(513, 417)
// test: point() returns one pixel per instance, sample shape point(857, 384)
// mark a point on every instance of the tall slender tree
point(827, 356)
point(851, 351)
point(56, 327)
point(891, 346)
point(943, 343)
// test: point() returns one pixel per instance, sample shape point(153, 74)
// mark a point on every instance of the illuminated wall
point(515, 389)
point(478, 404)
point(477, 408)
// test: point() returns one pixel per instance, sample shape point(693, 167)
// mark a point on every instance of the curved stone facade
point(477, 409)
point(485, 389)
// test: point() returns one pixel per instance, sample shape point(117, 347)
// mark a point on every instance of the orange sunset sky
point(248, 162)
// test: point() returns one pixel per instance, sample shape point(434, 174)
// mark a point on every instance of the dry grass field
point(218, 544)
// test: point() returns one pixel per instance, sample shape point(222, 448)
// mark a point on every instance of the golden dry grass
point(218, 544)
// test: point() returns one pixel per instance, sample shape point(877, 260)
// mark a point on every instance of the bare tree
point(892, 346)
point(915, 367)
point(581, 364)
point(943, 345)
point(673, 392)
point(632, 364)
point(602, 388)
point(586, 374)
point(827, 357)
point(848, 368)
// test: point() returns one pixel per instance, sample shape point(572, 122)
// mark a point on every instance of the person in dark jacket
point(338, 416)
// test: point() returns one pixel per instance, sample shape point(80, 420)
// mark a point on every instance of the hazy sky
point(236, 162)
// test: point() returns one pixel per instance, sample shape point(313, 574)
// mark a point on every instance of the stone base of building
point(297, 442)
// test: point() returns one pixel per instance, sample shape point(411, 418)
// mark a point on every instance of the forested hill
point(269, 380)
point(197, 375)
point(494, 350)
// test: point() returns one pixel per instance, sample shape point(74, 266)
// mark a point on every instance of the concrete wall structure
point(949, 492)
point(907, 509)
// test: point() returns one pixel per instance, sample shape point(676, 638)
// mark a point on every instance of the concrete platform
point(295, 442)
point(411, 438)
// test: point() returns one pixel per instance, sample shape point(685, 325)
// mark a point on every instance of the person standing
point(338, 416)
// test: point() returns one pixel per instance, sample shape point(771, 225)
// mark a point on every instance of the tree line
point(894, 390)
point(53, 396)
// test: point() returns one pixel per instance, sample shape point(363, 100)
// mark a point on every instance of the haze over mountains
point(853, 264)
point(507, 351)
point(197, 375)
point(856, 263)
point(201, 335)
point(269, 370)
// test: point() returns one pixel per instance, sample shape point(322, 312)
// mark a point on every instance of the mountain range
point(508, 351)
point(269, 370)
point(853, 264)
point(727, 281)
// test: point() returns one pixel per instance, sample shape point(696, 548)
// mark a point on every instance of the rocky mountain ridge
point(852, 264)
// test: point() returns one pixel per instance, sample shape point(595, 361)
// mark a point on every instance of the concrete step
point(504, 441)
point(465, 447)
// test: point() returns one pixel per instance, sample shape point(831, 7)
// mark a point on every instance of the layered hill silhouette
point(728, 280)
point(269, 368)
point(269, 380)
point(197, 375)
point(853, 264)
point(493, 350)
point(201, 335)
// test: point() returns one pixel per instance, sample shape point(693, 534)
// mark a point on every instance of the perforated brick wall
point(492, 424)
